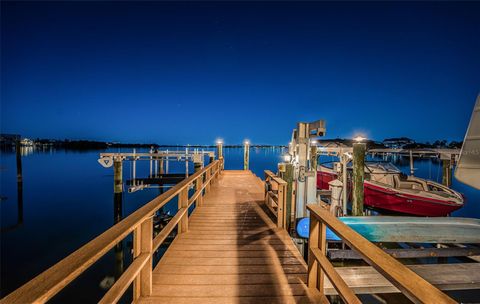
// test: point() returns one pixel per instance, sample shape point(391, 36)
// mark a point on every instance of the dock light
point(246, 142)
point(359, 138)
point(313, 142)
point(287, 158)
point(219, 141)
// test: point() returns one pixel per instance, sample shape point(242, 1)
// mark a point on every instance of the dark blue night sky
point(191, 72)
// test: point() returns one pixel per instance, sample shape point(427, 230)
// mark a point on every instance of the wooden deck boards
point(232, 253)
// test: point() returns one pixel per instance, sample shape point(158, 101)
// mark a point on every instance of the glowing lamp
point(359, 138)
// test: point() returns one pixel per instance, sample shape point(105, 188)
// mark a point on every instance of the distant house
point(9, 139)
point(397, 143)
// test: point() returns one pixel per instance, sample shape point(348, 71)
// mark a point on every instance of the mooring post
point(197, 166)
point(134, 167)
point(19, 182)
point(220, 149)
point(358, 177)
point(288, 177)
point(246, 154)
point(336, 187)
point(446, 173)
point(117, 211)
point(151, 162)
point(345, 159)
point(117, 217)
point(160, 165)
point(412, 170)
point(166, 163)
point(117, 175)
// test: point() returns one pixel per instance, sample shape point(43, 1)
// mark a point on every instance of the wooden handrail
point(44, 286)
point(417, 289)
point(276, 193)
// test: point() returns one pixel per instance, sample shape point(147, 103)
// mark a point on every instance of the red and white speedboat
point(387, 188)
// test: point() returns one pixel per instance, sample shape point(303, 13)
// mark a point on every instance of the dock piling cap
point(335, 183)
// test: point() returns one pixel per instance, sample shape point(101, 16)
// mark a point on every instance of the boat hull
point(391, 200)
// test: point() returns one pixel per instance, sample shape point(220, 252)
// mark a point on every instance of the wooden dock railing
point(276, 197)
point(50, 282)
point(408, 282)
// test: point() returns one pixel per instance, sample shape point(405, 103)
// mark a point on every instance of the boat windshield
point(384, 167)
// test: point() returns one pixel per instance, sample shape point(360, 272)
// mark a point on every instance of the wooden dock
point(232, 253)
point(234, 248)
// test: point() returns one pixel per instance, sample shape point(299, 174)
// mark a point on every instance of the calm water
point(68, 200)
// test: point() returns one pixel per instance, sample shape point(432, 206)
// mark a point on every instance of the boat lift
point(159, 165)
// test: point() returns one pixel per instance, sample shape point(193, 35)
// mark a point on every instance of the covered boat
point(386, 188)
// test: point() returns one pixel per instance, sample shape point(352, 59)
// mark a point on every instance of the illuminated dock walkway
point(232, 252)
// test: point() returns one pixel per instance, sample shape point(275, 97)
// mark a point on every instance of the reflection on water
point(66, 199)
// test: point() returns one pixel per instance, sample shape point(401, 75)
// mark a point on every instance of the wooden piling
point(183, 203)
point(246, 155)
point(161, 167)
point(358, 177)
point(288, 177)
point(412, 170)
point(446, 173)
point(197, 166)
point(220, 150)
point(117, 176)
point(19, 182)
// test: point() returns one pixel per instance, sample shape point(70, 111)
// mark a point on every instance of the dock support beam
point(358, 177)
point(246, 154)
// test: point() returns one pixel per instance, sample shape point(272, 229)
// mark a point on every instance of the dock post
point(316, 240)
point(197, 166)
point(289, 212)
point(117, 175)
point(186, 162)
point(358, 177)
point(142, 243)
point(160, 165)
point(344, 158)
point(19, 182)
point(220, 149)
point(446, 173)
point(412, 170)
point(183, 203)
point(134, 167)
point(335, 203)
point(246, 154)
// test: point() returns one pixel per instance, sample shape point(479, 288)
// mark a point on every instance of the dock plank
point(366, 280)
point(232, 253)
